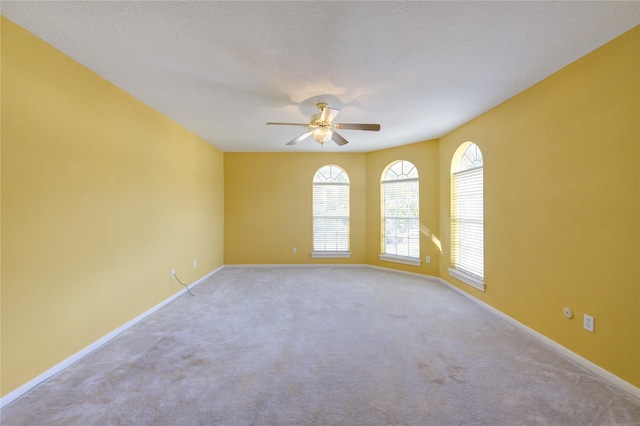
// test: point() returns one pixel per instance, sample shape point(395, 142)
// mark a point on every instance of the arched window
point(467, 215)
point(400, 213)
point(331, 212)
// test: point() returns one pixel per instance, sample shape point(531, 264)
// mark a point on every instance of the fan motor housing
point(315, 121)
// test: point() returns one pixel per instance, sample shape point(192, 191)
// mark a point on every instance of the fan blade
point(288, 124)
point(299, 138)
point(339, 139)
point(358, 126)
point(328, 114)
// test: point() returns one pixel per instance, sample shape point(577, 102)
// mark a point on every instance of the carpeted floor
point(323, 346)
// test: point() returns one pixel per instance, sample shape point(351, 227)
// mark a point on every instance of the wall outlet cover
point(588, 323)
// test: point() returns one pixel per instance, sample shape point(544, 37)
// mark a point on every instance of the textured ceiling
point(420, 69)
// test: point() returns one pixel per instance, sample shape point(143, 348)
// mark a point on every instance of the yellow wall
point(424, 156)
point(268, 206)
point(562, 205)
point(101, 197)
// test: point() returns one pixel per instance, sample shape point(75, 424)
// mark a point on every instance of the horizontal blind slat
point(331, 215)
point(401, 210)
point(467, 221)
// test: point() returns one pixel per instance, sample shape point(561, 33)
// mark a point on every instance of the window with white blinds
point(331, 212)
point(467, 218)
point(401, 214)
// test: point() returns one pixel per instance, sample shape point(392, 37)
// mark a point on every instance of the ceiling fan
point(323, 129)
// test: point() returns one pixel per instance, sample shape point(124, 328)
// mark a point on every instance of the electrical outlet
point(427, 259)
point(294, 251)
point(173, 273)
point(588, 323)
point(194, 264)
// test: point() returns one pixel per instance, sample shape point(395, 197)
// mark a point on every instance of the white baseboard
point(17, 393)
point(610, 377)
point(296, 265)
point(400, 271)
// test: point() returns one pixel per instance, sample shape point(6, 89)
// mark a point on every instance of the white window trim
point(330, 254)
point(318, 252)
point(405, 260)
point(401, 180)
point(467, 269)
point(467, 278)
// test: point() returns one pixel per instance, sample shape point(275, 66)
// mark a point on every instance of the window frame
point(327, 182)
point(406, 176)
point(467, 172)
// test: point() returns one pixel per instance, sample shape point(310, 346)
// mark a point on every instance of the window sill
point(330, 254)
point(400, 259)
point(467, 278)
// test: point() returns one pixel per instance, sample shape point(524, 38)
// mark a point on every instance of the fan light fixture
point(323, 128)
point(322, 134)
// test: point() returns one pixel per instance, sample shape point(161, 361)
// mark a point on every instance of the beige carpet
point(323, 346)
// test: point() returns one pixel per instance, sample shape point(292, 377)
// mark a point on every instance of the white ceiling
point(420, 69)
